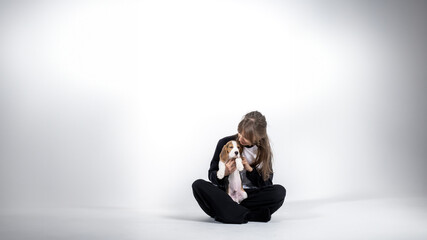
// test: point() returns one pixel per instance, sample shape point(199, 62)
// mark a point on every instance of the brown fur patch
point(223, 156)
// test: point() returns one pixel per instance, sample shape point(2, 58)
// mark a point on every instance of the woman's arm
point(255, 177)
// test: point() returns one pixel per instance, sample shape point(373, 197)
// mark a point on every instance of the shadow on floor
point(184, 217)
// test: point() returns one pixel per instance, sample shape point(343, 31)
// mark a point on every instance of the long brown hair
point(253, 127)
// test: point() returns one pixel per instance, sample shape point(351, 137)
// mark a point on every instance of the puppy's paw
point(244, 195)
point(239, 164)
point(220, 174)
point(239, 167)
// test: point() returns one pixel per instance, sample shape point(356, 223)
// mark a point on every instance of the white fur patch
point(239, 164)
point(221, 170)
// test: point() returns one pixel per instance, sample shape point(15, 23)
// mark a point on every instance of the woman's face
point(243, 140)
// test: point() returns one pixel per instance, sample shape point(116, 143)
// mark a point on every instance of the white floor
point(362, 219)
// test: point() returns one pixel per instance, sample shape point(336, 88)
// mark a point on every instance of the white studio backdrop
point(121, 103)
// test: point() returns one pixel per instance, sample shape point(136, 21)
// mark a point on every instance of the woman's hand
point(230, 167)
point(246, 165)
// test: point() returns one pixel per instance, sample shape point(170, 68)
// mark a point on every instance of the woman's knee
point(198, 184)
point(280, 192)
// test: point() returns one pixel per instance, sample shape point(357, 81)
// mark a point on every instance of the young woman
point(264, 198)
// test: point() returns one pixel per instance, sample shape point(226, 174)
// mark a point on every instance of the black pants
point(217, 204)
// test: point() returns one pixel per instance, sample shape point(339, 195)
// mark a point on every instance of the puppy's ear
point(223, 156)
point(239, 146)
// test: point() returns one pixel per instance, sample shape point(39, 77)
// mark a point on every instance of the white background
point(121, 103)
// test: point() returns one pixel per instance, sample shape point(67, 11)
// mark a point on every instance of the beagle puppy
point(232, 150)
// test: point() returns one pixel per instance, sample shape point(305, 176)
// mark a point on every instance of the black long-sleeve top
point(254, 176)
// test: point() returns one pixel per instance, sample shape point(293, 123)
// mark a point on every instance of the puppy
point(235, 189)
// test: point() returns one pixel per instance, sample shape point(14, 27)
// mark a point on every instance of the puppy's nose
point(236, 152)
